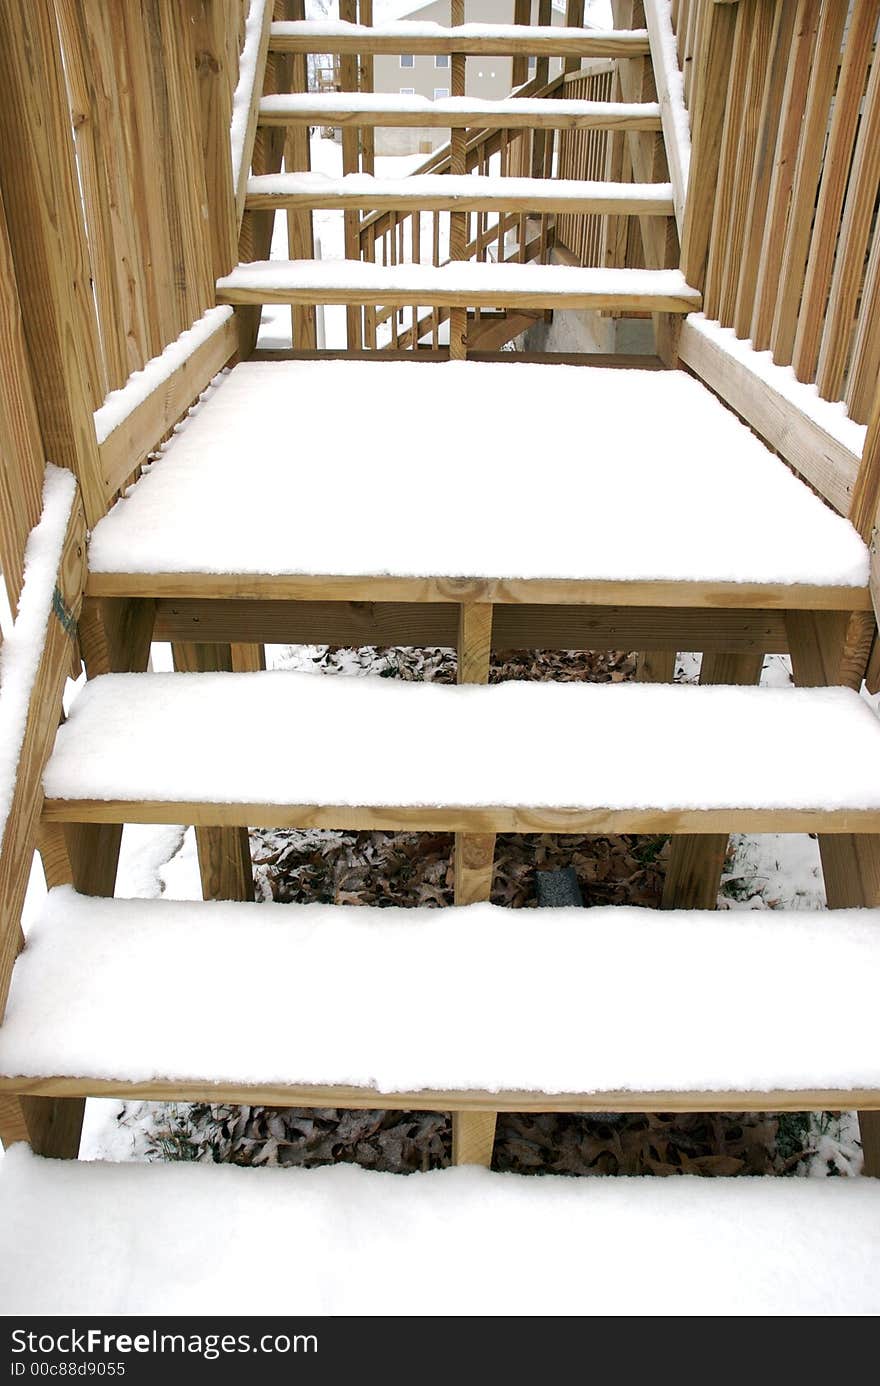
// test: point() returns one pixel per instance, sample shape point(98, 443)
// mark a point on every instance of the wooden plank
point(348, 72)
point(773, 90)
point(51, 1126)
point(714, 57)
point(543, 196)
point(435, 1100)
point(835, 171)
point(865, 368)
point(598, 360)
point(558, 44)
point(21, 449)
point(736, 250)
point(672, 112)
point(44, 711)
point(474, 853)
point(46, 234)
point(473, 1138)
point(241, 174)
point(794, 101)
point(224, 853)
point(210, 19)
point(599, 298)
point(737, 78)
point(555, 115)
point(142, 431)
point(695, 866)
point(491, 818)
point(855, 230)
point(720, 595)
point(825, 462)
point(656, 666)
point(426, 623)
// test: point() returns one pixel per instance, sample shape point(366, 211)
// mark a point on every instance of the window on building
point(407, 60)
point(407, 91)
point(441, 60)
point(440, 92)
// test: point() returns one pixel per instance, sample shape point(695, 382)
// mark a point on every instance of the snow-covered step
point(515, 757)
point(85, 990)
point(455, 112)
point(498, 40)
point(464, 284)
point(97, 1239)
point(450, 192)
point(235, 505)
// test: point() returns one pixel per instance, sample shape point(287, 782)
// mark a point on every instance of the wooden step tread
point(457, 284)
point(500, 40)
point(455, 112)
point(83, 1003)
point(586, 531)
point(94, 1239)
point(180, 748)
point(448, 192)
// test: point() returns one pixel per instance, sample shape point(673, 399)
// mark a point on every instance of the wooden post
point(474, 852)
point(655, 666)
point(224, 853)
point(50, 1125)
point(211, 19)
point(458, 221)
point(348, 72)
point(696, 860)
point(473, 1138)
point(41, 197)
point(828, 649)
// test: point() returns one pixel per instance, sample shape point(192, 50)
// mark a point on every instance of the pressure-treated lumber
point(519, 626)
point(729, 596)
point(224, 853)
point(44, 218)
point(498, 40)
point(261, 11)
point(142, 431)
point(457, 285)
point(714, 57)
point(695, 865)
point(473, 1138)
point(457, 113)
point(448, 193)
point(51, 1126)
point(672, 112)
point(823, 461)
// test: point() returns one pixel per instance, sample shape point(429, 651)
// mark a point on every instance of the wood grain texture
point(436, 1100)
point(729, 596)
point(224, 853)
point(461, 118)
point(586, 45)
point(473, 1138)
point(47, 237)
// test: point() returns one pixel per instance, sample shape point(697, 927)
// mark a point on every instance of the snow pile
point(119, 404)
point(737, 512)
point(158, 737)
point(83, 997)
point(407, 29)
point(247, 75)
point(168, 1239)
point(21, 652)
point(828, 414)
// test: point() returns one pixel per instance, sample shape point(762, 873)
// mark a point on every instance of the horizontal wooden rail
point(143, 429)
point(436, 1100)
point(730, 596)
point(490, 40)
point(447, 193)
point(456, 113)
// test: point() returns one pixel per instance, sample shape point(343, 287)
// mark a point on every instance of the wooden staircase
point(498, 207)
point(479, 504)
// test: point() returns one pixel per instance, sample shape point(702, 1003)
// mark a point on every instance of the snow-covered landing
point(190, 738)
point(171, 1239)
point(473, 470)
point(84, 996)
